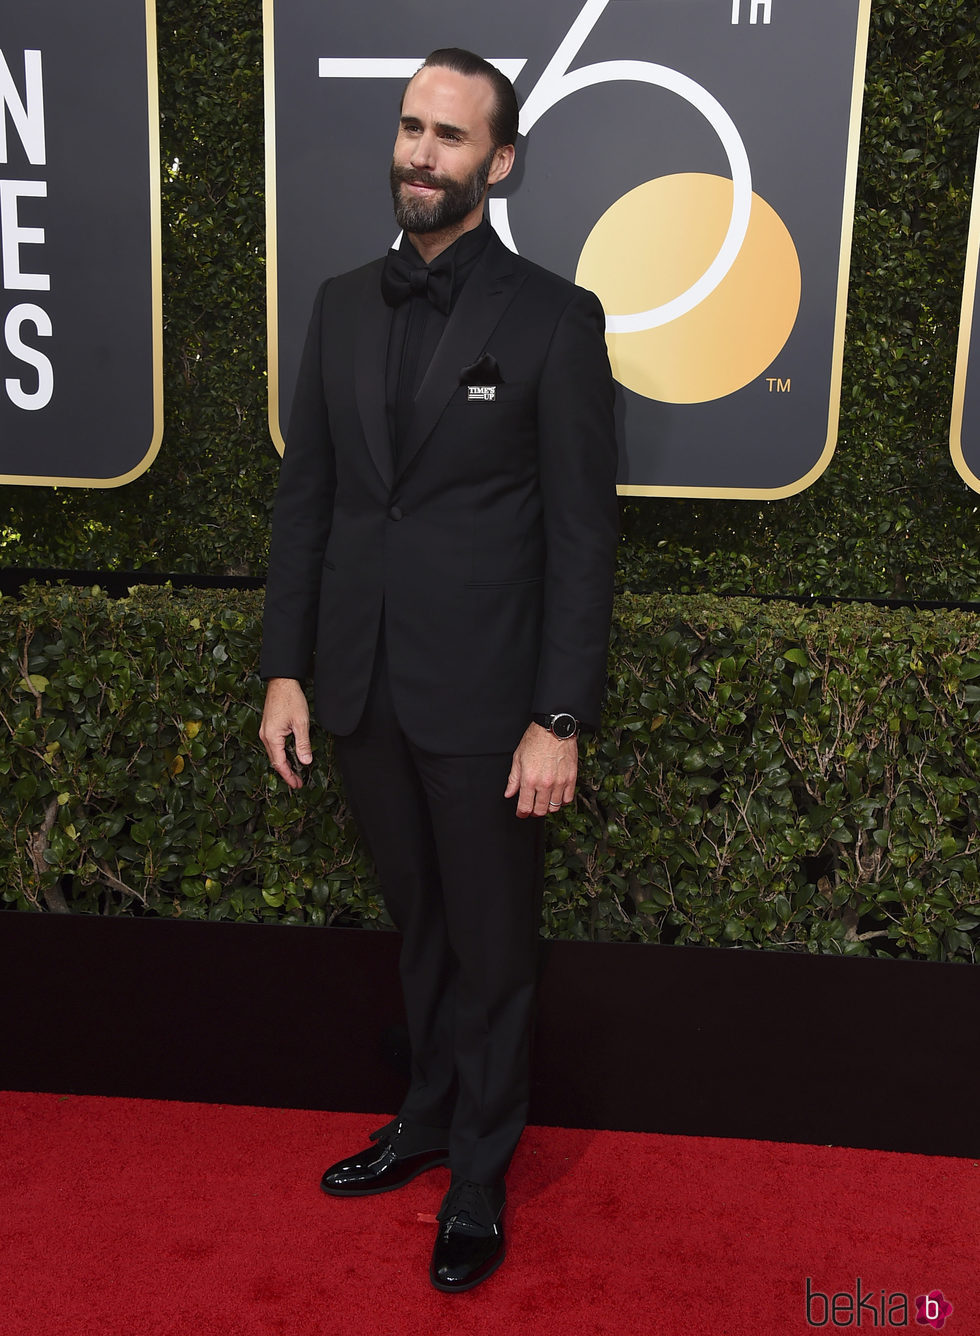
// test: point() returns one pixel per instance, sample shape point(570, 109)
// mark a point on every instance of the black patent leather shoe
point(470, 1243)
point(398, 1155)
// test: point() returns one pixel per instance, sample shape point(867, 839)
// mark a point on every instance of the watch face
point(564, 725)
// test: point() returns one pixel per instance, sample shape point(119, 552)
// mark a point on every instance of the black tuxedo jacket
point(489, 552)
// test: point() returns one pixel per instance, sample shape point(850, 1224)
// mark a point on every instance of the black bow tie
point(401, 279)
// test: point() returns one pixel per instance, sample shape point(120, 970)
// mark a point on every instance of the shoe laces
point(388, 1132)
point(468, 1206)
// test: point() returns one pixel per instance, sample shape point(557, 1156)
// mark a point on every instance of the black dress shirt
point(417, 326)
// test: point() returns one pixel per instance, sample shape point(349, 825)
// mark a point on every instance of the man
point(442, 554)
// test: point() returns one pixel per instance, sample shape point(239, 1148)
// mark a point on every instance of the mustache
point(411, 177)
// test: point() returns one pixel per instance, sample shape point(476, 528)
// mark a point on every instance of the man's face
point(444, 159)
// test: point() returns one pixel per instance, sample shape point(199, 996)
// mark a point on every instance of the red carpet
point(142, 1218)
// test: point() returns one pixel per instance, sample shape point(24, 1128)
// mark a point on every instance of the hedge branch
point(37, 844)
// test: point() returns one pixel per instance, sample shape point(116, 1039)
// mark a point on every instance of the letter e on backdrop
point(81, 401)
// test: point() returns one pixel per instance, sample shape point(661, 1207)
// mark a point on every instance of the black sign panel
point(691, 161)
point(964, 439)
point(80, 350)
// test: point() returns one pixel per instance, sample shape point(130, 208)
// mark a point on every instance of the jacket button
point(395, 513)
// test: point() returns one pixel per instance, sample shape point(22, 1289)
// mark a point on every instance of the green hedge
point(767, 776)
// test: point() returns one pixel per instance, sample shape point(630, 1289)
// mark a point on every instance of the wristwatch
point(563, 726)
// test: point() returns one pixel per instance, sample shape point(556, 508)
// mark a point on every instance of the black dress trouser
point(461, 876)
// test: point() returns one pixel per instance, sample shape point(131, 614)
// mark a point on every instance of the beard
point(457, 198)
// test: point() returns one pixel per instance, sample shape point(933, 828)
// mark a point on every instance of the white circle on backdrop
point(673, 81)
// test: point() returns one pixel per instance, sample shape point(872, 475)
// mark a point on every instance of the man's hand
point(286, 712)
point(543, 772)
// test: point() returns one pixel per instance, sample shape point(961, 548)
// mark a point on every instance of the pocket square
point(484, 371)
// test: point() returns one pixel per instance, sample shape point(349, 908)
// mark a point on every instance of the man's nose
point(424, 150)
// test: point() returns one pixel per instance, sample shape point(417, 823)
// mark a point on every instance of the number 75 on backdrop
point(691, 161)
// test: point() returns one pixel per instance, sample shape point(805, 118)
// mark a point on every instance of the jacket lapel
point(486, 295)
point(372, 326)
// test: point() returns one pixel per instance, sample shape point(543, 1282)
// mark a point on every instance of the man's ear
point(503, 161)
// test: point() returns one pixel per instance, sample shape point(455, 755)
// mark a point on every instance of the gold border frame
point(625, 489)
point(967, 311)
point(843, 273)
point(271, 226)
point(156, 284)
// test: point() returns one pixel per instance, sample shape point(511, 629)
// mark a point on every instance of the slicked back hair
point(505, 116)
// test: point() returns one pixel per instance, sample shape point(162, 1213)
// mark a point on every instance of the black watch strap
point(562, 724)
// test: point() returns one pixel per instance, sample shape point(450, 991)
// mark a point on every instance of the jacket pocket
point(503, 584)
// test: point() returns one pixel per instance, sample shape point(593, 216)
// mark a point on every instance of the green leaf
point(797, 656)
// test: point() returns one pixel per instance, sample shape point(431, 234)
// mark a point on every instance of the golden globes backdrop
point(964, 438)
point(80, 352)
point(691, 161)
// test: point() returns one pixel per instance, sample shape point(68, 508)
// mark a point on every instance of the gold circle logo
point(652, 245)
